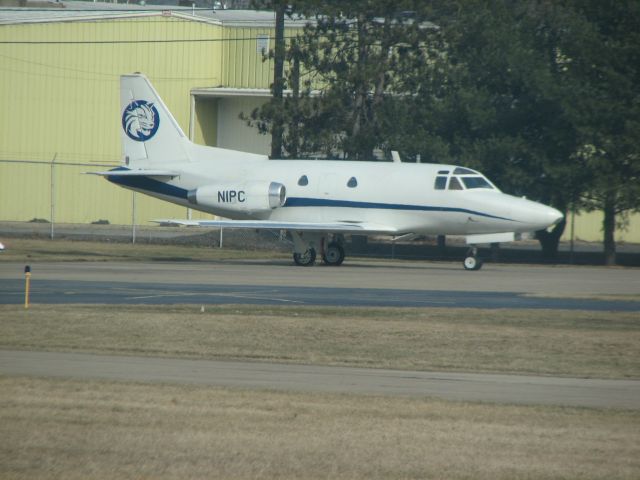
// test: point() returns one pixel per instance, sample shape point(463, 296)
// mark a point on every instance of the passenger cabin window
point(352, 183)
point(476, 182)
point(454, 184)
point(303, 181)
point(441, 183)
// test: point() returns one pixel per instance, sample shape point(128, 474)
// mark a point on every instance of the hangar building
point(59, 91)
point(60, 95)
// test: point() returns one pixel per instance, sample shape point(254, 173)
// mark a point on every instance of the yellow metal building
point(59, 91)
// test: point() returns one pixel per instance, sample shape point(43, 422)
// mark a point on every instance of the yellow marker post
point(27, 285)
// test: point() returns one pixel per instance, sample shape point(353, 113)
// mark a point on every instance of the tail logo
point(140, 120)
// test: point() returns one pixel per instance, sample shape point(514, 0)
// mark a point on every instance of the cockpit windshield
point(476, 182)
point(461, 179)
point(464, 171)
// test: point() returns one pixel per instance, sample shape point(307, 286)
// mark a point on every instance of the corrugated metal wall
point(60, 99)
point(588, 227)
point(243, 60)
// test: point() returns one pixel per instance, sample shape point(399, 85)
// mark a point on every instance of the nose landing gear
point(471, 260)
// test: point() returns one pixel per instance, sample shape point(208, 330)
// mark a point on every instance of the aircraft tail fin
point(150, 134)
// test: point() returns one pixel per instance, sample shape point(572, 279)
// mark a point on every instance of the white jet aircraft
point(316, 201)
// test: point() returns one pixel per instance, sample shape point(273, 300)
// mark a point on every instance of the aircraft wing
point(136, 173)
point(343, 227)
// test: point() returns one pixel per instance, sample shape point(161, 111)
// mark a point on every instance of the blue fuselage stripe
point(162, 188)
point(320, 202)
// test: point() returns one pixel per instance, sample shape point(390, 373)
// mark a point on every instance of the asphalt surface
point(361, 284)
point(503, 389)
point(121, 293)
point(358, 283)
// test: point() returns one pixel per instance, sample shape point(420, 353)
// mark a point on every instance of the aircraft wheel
point(334, 255)
point(472, 263)
point(305, 259)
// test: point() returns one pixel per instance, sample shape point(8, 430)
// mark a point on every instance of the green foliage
point(599, 45)
point(542, 96)
point(353, 58)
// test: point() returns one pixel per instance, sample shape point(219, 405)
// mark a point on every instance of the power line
point(158, 9)
point(118, 42)
point(152, 41)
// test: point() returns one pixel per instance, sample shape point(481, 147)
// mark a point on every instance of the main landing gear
point(333, 254)
point(471, 260)
point(305, 254)
point(307, 246)
point(305, 259)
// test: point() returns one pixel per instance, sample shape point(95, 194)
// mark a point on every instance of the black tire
point(472, 263)
point(305, 259)
point(334, 255)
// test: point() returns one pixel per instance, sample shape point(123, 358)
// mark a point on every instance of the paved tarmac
point(130, 293)
point(491, 388)
point(358, 283)
point(410, 284)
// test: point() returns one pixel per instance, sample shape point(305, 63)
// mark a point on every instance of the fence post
point(53, 196)
point(133, 217)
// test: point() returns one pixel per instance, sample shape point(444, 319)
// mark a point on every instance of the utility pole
point(278, 80)
point(294, 135)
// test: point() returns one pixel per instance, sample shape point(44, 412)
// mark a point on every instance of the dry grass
point(102, 430)
point(30, 250)
point(590, 296)
point(595, 344)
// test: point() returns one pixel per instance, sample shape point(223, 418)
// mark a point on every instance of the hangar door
point(215, 120)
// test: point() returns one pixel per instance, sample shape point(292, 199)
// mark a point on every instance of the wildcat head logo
point(140, 120)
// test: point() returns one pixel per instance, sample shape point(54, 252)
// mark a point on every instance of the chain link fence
point(422, 248)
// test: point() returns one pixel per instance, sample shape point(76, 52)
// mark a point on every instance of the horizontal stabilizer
point(345, 227)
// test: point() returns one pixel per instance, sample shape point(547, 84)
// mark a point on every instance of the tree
point(545, 98)
point(542, 96)
point(599, 41)
point(352, 57)
point(494, 102)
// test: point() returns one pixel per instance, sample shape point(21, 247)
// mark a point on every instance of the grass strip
point(104, 430)
point(31, 250)
point(541, 342)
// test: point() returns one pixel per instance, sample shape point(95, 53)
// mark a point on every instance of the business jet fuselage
point(315, 200)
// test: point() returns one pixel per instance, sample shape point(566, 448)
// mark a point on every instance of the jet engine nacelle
point(250, 197)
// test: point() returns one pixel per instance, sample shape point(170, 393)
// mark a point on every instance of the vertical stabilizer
point(150, 134)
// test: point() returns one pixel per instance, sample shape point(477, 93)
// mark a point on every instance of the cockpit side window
point(441, 183)
point(454, 184)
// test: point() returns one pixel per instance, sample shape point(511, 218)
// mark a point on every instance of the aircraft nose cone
point(536, 216)
point(555, 216)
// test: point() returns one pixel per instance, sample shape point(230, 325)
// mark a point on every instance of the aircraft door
point(327, 185)
point(327, 190)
